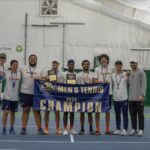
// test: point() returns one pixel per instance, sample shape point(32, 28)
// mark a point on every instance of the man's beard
point(104, 65)
point(32, 65)
point(86, 69)
point(71, 70)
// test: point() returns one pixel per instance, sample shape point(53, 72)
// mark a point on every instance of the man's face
point(33, 61)
point(133, 65)
point(86, 66)
point(103, 61)
point(55, 65)
point(14, 66)
point(2, 60)
point(71, 66)
point(118, 67)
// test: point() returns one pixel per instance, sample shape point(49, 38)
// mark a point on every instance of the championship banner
point(71, 97)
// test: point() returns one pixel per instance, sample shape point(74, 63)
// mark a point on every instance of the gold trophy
point(71, 78)
point(52, 75)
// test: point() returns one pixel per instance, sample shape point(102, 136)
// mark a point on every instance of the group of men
point(14, 81)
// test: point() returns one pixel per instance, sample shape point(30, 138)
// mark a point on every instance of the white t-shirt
point(60, 76)
point(3, 69)
point(104, 74)
point(85, 78)
point(119, 82)
point(28, 74)
point(11, 89)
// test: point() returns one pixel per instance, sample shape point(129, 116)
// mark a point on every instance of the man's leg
point(12, 121)
point(140, 109)
point(71, 120)
point(38, 121)
point(133, 114)
point(65, 121)
point(107, 117)
point(4, 121)
point(90, 120)
point(25, 118)
point(57, 121)
point(72, 131)
point(82, 123)
point(117, 108)
point(125, 114)
point(97, 122)
point(46, 120)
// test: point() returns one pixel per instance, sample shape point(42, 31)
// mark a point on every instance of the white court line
point(71, 138)
point(78, 142)
point(19, 141)
point(8, 149)
point(29, 127)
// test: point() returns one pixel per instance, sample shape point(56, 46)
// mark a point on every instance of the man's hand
point(141, 98)
point(37, 78)
point(128, 73)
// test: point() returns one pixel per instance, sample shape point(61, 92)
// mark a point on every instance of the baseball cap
point(71, 61)
point(134, 60)
point(55, 61)
point(2, 55)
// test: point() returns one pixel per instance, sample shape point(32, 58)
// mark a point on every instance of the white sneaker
point(73, 132)
point(117, 132)
point(124, 132)
point(133, 132)
point(140, 133)
point(65, 132)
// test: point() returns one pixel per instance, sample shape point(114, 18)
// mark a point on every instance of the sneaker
point(12, 131)
point(117, 132)
point(91, 132)
point(46, 130)
point(133, 132)
point(40, 131)
point(97, 132)
point(58, 131)
point(23, 131)
point(124, 132)
point(4, 131)
point(65, 132)
point(140, 133)
point(73, 131)
point(81, 132)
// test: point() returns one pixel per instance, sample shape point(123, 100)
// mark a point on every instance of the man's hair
point(85, 61)
point(13, 61)
point(118, 62)
point(32, 55)
point(104, 55)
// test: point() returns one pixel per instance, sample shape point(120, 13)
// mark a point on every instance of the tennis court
point(32, 141)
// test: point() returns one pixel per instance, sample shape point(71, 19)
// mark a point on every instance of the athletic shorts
point(10, 105)
point(26, 100)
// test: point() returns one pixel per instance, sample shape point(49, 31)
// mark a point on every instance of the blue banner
point(71, 98)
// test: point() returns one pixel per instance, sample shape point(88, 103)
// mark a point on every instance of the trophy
point(71, 78)
point(52, 75)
